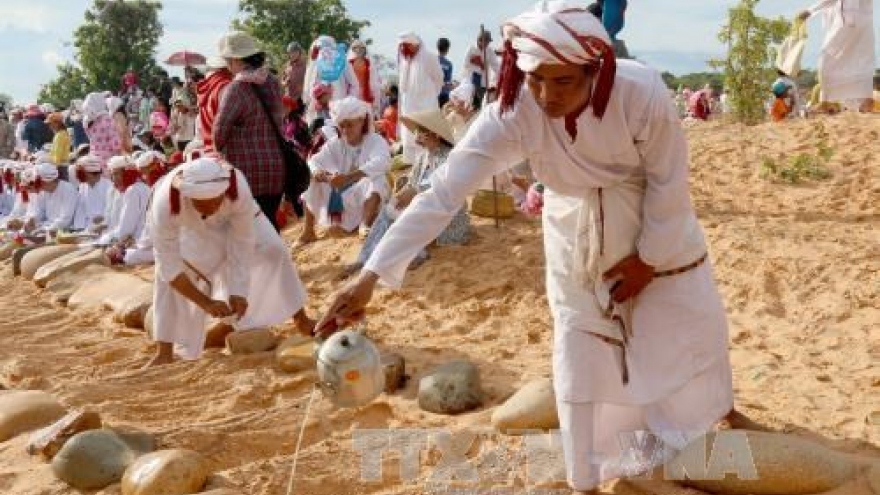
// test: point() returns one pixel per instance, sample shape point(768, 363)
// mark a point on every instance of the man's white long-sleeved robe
point(93, 202)
point(239, 253)
point(372, 157)
point(621, 187)
point(846, 63)
point(56, 210)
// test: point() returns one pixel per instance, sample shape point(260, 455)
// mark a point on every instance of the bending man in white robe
point(216, 255)
point(349, 181)
point(55, 206)
point(846, 63)
point(421, 80)
point(640, 338)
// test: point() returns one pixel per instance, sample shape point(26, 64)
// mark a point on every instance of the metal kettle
point(350, 371)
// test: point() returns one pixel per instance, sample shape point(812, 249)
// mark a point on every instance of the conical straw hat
point(432, 120)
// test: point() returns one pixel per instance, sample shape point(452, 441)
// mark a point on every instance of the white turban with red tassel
point(557, 32)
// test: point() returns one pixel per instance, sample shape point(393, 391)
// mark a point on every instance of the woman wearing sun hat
point(250, 112)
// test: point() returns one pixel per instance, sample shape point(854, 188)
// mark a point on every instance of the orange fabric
point(390, 117)
point(780, 110)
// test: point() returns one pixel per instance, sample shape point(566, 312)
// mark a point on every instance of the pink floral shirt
point(104, 141)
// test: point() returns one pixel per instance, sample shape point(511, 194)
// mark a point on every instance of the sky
point(35, 35)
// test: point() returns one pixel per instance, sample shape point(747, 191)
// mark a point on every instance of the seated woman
point(134, 198)
point(349, 181)
point(434, 135)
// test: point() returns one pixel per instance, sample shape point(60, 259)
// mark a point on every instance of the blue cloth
point(446, 65)
point(36, 133)
point(79, 136)
point(613, 16)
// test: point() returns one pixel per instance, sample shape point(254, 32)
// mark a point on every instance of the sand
point(798, 266)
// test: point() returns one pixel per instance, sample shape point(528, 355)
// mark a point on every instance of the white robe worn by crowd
point(629, 169)
point(846, 63)
point(421, 81)
point(56, 210)
point(469, 69)
point(92, 203)
point(21, 210)
point(133, 205)
point(7, 201)
point(235, 251)
point(372, 157)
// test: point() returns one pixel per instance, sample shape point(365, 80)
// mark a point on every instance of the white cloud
point(33, 18)
point(51, 58)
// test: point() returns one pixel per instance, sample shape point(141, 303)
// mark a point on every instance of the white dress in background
point(236, 249)
point(372, 157)
point(421, 81)
point(846, 63)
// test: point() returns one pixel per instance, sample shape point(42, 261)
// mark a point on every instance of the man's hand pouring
point(348, 304)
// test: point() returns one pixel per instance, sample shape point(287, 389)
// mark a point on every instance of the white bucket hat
point(238, 45)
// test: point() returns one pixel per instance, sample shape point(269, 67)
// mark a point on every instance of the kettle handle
point(359, 327)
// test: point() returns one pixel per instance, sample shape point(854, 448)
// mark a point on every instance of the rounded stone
point(765, 463)
point(251, 341)
point(533, 407)
point(22, 411)
point(93, 459)
point(32, 261)
point(69, 263)
point(296, 354)
point(166, 472)
point(451, 389)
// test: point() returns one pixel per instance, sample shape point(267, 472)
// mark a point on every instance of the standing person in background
point(208, 93)
point(294, 75)
point(7, 136)
point(366, 75)
point(74, 120)
point(421, 80)
point(182, 125)
point(475, 67)
point(611, 13)
point(146, 108)
point(846, 63)
point(116, 107)
point(17, 121)
point(248, 120)
point(60, 144)
point(35, 131)
point(104, 139)
point(443, 46)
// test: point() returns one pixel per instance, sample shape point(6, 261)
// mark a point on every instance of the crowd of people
point(192, 176)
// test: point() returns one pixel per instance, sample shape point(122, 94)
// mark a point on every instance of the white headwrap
point(411, 70)
point(463, 93)
point(93, 107)
point(349, 108)
point(90, 163)
point(43, 156)
point(148, 157)
point(114, 104)
point(46, 171)
point(120, 162)
point(546, 35)
point(205, 178)
point(557, 32)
